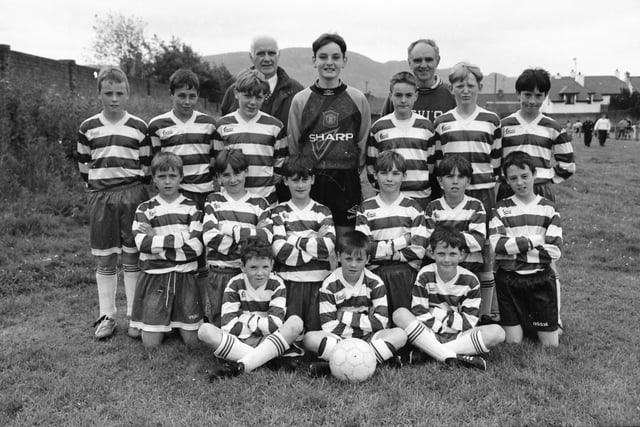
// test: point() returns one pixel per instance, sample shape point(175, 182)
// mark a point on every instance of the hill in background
point(361, 72)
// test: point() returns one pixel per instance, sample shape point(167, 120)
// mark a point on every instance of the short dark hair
point(402, 77)
point(519, 159)
point(533, 78)
point(183, 77)
point(164, 161)
point(448, 236)
point(255, 247)
point(298, 165)
point(387, 159)
point(453, 162)
point(353, 241)
point(327, 38)
point(233, 157)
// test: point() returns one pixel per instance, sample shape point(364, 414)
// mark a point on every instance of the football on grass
point(352, 360)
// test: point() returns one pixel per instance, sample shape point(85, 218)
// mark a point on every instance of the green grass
point(53, 373)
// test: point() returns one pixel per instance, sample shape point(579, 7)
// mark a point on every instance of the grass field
point(53, 373)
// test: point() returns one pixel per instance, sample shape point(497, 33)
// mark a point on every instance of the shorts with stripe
point(340, 191)
point(111, 215)
point(219, 277)
point(303, 300)
point(166, 301)
point(528, 300)
point(398, 278)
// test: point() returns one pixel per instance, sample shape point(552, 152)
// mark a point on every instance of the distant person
point(602, 128)
point(259, 135)
point(621, 128)
point(434, 96)
point(113, 154)
point(407, 133)
point(168, 234)
point(577, 127)
point(330, 123)
point(264, 55)
point(587, 130)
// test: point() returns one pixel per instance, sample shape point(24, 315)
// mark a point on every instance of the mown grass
point(53, 373)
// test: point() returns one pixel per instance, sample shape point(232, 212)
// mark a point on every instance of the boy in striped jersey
point(396, 226)
point(257, 134)
point(353, 304)
point(230, 216)
point(526, 235)
point(254, 330)
point(187, 133)
point(406, 132)
point(113, 155)
point(303, 240)
point(168, 233)
point(442, 321)
point(474, 134)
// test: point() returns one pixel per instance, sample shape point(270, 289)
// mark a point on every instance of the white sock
point(231, 348)
point(131, 274)
point(107, 281)
point(270, 348)
point(382, 349)
point(471, 343)
point(425, 339)
point(327, 345)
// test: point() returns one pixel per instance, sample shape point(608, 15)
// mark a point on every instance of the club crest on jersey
point(370, 214)
point(505, 211)
point(446, 128)
point(330, 119)
point(384, 135)
point(93, 134)
point(226, 129)
point(151, 213)
point(340, 297)
point(509, 131)
point(166, 133)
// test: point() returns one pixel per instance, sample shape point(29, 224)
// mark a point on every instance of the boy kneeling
point(444, 307)
point(353, 304)
point(253, 311)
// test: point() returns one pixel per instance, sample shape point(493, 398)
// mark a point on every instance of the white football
point(352, 360)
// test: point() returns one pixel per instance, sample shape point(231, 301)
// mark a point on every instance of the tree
point(121, 40)
point(626, 101)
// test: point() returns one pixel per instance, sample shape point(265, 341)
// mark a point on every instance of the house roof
point(604, 85)
point(635, 82)
point(567, 86)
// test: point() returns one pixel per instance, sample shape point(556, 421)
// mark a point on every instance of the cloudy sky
point(498, 35)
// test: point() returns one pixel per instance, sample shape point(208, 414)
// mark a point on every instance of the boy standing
point(396, 226)
point(407, 133)
point(257, 134)
point(168, 233)
point(526, 235)
point(444, 307)
point(230, 216)
point(303, 240)
point(330, 123)
point(113, 154)
point(473, 133)
point(353, 304)
point(254, 330)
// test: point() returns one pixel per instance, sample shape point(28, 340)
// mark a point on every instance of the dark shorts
point(398, 278)
point(303, 301)
point(199, 198)
point(488, 198)
point(340, 191)
point(217, 283)
point(528, 300)
point(111, 215)
point(543, 189)
point(166, 301)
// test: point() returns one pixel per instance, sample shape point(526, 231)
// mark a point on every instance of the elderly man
point(434, 97)
point(265, 54)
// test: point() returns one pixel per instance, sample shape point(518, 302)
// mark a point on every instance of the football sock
point(382, 349)
point(326, 347)
point(471, 343)
point(270, 348)
point(487, 289)
point(107, 281)
point(131, 274)
point(231, 348)
point(424, 338)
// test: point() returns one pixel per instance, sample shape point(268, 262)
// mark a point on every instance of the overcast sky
point(503, 36)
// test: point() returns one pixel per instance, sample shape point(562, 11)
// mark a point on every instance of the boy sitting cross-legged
point(254, 330)
point(230, 216)
point(444, 307)
point(353, 304)
point(167, 231)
